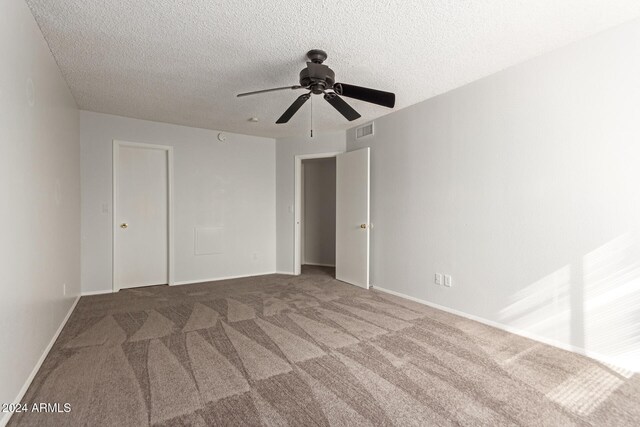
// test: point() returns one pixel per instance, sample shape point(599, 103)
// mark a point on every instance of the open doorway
point(350, 178)
point(299, 244)
point(318, 212)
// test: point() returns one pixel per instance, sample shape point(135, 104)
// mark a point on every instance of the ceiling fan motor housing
point(317, 77)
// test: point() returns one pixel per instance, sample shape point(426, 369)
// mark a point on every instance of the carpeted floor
point(301, 351)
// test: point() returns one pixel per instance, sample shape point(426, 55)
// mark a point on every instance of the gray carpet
point(301, 351)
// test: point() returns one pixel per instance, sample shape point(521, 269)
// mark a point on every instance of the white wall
point(319, 218)
point(216, 184)
point(525, 187)
point(40, 188)
point(286, 150)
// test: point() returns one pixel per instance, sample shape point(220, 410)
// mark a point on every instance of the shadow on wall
point(592, 303)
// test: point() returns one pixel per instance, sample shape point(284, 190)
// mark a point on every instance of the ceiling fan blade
point(379, 97)
point(340, 105)
point(293, 108)
point(268, 90)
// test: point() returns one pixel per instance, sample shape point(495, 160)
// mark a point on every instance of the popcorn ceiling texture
point(184, 61)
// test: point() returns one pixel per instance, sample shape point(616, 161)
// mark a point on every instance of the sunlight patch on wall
point(612, 301)
point(544, 307)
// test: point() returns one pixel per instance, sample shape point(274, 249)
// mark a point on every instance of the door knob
point(363, 225)
point(124, 225)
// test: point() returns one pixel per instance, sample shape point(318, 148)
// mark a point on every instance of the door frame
point(297, 247)
point(116, 153)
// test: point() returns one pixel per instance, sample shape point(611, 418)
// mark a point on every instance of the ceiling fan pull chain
point(311, 117)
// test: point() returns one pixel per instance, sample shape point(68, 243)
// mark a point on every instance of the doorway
point(298, 216)
point(352, 224)
point(318, 212)
point(142, 176)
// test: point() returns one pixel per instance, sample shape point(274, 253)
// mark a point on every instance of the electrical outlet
point(448, 281)
point(438, 279)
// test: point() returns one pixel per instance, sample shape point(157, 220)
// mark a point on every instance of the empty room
point(283, 213)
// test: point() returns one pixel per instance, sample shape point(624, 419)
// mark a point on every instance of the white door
point(352, 217)
point(141, 213)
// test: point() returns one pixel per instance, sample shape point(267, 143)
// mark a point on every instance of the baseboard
point(86, 294)
point(7, 416)
point(558, 344)
point(319, 264)
point(191, 282)
point(217, 279)
point(287, 273)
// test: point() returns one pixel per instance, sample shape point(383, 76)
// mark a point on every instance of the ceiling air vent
point(364, 131)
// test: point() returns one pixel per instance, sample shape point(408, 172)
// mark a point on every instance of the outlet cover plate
point(448, 280)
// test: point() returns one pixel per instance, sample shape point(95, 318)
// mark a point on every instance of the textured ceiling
point(184, 61)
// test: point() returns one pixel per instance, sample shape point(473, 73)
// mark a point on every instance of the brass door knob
point(363, 225)
point(124, 225)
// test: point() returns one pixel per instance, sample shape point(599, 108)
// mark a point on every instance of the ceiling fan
point(318, 78)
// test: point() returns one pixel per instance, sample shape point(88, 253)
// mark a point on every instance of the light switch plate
point(448, 280)
point(438, 279)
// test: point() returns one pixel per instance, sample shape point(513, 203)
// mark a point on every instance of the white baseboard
point(86, 294)
point(559, 344)
point(288, 273)
point(217, 279)
point(319, 264)
point(7, 416)
point(190, 282)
